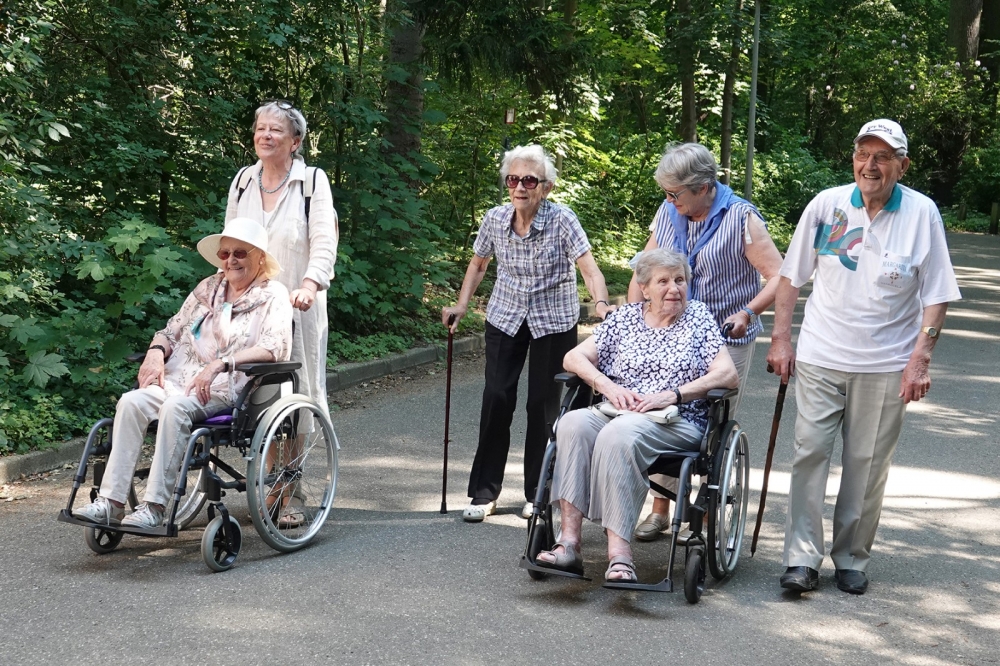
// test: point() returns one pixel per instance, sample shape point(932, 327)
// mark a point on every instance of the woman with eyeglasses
point(238, 315)
point(534, 308)
point(728, 248)
point(294, 204)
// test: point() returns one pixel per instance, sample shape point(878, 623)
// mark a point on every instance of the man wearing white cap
point(882, 283)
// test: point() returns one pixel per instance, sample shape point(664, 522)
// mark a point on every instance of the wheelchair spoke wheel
point(727, 507)
point(293, 475)
point(216, 550)
point(694, 575)
point(102, 541)
point(191, 503)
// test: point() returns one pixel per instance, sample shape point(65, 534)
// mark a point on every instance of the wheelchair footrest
point(163, 530)
point(526, 564)
point(665, 585)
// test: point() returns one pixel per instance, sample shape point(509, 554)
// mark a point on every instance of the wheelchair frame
point(258, 430)
point(723, 457)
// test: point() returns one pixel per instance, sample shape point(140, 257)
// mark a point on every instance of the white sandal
point(475, 513)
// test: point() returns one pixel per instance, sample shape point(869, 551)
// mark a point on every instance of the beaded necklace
point(260, 180)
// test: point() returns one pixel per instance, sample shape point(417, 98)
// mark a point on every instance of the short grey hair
point(661, 257)
point(296, 121)
point(688, 164)
point(532, 153)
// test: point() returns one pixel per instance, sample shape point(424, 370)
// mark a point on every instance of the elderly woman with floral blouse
point(645, 356)
point(238, 315)
point(534, 307)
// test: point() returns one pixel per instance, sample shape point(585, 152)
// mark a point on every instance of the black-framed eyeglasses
point(239, 254)
point(282, 104)
point(529, 182)
point(674, 195)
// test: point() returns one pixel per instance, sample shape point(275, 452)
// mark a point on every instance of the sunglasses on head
point(529, 182)
point(239, 254)
point(283, 104)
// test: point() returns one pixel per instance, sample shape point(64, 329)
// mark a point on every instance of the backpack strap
point(243, 181)
point(308, 187)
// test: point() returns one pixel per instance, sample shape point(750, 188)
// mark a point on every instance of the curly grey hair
point(688, 164)
point(296, 121)
point(661, 257)
point(532, 153)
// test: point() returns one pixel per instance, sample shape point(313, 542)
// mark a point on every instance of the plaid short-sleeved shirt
point(536, 275)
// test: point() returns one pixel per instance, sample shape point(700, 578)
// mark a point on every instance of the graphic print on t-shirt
point(835, 239)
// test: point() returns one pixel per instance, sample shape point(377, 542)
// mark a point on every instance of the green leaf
point(42, 366)
point(25, 330)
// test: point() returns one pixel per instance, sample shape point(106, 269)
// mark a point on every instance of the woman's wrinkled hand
point(201, 386)
point(660, 400)
point(151, 372)
point(456, 311)
point(619, 396)
point(303, 298)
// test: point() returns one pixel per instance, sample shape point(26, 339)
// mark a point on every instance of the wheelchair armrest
point(570, 379)
point(136, 357)
point(256, 369)
point(714, 395)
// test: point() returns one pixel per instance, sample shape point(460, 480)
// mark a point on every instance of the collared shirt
point(536, 275)
point(873, 277)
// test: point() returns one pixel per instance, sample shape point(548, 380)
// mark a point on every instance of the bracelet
point(680, 398)
point(160, 347)
point(605, 302)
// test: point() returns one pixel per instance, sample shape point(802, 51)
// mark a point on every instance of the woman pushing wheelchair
point(238, 315)
point(646, 356)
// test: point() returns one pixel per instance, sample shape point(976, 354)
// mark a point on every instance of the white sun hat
point(242, 229)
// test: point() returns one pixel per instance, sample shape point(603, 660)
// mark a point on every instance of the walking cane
point(778, 405)
point(447, 418)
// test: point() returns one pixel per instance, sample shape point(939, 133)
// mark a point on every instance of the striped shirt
point(536, 275)
point(722, 277)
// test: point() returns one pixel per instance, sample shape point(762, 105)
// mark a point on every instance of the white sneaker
point(527, 509)
point(100, 511)
point(145, 516)
point(474, 513)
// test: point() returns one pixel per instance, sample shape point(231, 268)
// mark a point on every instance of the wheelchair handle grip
point(726, 328)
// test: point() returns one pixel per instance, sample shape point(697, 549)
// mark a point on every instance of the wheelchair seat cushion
point(219, 419)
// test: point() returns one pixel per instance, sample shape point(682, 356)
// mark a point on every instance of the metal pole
point(752, 124)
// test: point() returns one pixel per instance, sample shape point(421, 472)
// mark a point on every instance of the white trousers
point(136, 410)
point(742, 355)
point(868, 412)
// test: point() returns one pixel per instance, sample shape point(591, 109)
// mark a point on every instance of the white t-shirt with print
point(872, 278)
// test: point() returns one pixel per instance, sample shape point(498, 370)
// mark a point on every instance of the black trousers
point(504, 361)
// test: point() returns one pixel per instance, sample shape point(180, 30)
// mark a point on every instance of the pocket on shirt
point(895, 272)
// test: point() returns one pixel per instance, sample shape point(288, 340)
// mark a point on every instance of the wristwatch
point(751, 313)
point(930, 331)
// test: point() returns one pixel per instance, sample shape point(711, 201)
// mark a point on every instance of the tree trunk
point(686, 67)
point(405, 98)
point(989, 49)
point(726, 150)
point(963, 28)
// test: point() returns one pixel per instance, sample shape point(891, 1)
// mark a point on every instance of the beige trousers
point(868, 412)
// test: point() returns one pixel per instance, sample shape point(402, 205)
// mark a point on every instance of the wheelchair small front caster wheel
point(101, 541)
point(694, 575)
point(218, 553)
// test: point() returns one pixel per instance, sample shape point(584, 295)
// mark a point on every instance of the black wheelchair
point(286, 463)
point(723, 459)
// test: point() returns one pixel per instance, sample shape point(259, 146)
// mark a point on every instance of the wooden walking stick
point(779, 403)
point(447, 418)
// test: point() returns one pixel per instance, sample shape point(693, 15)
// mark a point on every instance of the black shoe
point(801, 579)
point(852, 581)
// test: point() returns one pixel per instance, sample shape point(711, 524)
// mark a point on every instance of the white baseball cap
point(887, 130)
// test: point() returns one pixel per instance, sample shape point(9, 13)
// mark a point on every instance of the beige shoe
point(650, 528)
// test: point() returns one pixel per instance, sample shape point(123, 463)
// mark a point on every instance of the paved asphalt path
point(392, 581)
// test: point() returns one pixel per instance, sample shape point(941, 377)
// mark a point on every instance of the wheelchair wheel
point(292, 478)
point(101, 541)
point(218, 554)
point(191, 503)
point(727, 507)
point(694, 575)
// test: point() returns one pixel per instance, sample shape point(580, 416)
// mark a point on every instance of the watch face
point(931, 331)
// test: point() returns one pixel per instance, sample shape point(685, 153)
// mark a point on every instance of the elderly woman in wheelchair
point(237, 316)
point(645, 357)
